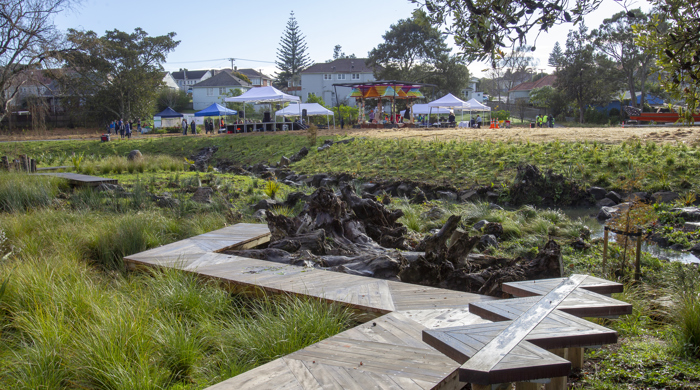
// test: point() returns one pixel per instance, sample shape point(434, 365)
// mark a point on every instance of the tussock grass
point(21, 192)
point(120, 164)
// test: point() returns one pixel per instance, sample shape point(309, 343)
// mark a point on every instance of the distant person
point(478, 122)
point(193, 127)
point(127, 129)
point(138, 126)
point(184, 126)
point(112, 129)
point(545, 121)
point(551, 121)
point(342, 123)
point(407, 113)
point(538, 120)
point(122, 128)
point(451, 117)
point(371, 116)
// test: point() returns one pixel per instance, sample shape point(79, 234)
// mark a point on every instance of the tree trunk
point(633, 92)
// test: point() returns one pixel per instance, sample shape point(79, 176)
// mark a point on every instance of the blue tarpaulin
point(216, 110)
point(169, 113)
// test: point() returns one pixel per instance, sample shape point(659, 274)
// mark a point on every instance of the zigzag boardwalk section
point(76, 179)
point(538, 338)
point(391, 350)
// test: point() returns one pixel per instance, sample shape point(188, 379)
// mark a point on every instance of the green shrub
point(21, 192)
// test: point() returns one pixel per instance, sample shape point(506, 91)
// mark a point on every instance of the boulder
point(605, 213)
point(166, 202)
point(447, 195)
point(284, 162)
point(477, 226)
point(134, 155)
point(202, 195)
point(494, 206)
point(605, 202)
point(433, 214)
point(691, 214)
point(299, 155)
point(293, 198)
point(664, 196)
point(638, 197)
point(487, 241)
point(493, 228)
point(259, 215)
point(695, 248)
point(369, 187)
point(328, 182)
point(690, 227)
point(597, 193)
point(420, 197)
point(316, 179)
point(614, 196)
point(405, 190)
point(469, 196)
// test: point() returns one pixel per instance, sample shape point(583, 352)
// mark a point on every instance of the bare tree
point(28, 36)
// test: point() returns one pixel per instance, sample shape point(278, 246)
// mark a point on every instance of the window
point(222, 91)
point(210, 91)
point(355, 76)
point(327, 76)
point(341, 76)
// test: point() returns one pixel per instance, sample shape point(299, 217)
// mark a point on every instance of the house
point(651, 100)
point(522, 91)
point(257, 79)
point(170, 81)
point(318, 79)
point(471, 93)
point(215, 89)
point(34, 83)
point(185, 79)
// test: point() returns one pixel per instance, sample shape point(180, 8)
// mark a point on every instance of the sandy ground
point(671, 134)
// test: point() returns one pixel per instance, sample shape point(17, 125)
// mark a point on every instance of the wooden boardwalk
point(76, 179)
point(386, 352)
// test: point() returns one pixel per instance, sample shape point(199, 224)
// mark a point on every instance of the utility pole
point(232, 59)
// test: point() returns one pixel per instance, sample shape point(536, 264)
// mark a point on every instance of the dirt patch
point(671, 134)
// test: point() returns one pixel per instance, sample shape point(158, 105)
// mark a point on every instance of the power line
point(220, 59)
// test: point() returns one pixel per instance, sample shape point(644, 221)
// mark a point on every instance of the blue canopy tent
point(167, 118)
point(216, 109)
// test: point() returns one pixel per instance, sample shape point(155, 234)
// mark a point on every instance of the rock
point(258, 168)
point(328, 182)
point(405, 190)
point(323, 147)
point(134, 155)
point(265, 204)
point(691, 214)
point(420, 197)
point(664, 196)
point(660, 240)
point(284, 162)
point(579, 244)
point(369, 187)
point(597, 193)
point(203, 157)
point(695, 248)
point(477, 226)
point(469, 196)
point(166, 202)
point(487, 241)
point(677, 247)
point(494, 206)
point(316, 179)
point(606, 202)
point(605, 213)
point(299, 155)
point(202, 195)
point(293, 198)
point(259, 215)
point(447, 195)
point(493, 228)
point(492, 196)
point(346, 141)
point(614, 196)
point(690, 227)
point(638, 197)
point(433, 214)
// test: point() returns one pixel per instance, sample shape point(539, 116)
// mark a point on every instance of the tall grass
point(119, 164)
point(20, 192)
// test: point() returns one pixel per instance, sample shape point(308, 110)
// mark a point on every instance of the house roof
point(191, 74)
point(222, 79)
point(341, 65)
point(253, 73)
point(530, 85)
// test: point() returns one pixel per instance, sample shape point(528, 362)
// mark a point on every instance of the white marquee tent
point(424, 109)
point(267, 95)
point(312, 109)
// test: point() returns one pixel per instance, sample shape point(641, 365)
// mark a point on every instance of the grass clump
point(20, 192)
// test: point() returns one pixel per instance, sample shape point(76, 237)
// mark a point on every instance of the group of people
point(123, 128)
point(544, 120)
point(208, 126)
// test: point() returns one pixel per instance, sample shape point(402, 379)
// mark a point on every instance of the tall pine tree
point(555, 57)
point(291, 55)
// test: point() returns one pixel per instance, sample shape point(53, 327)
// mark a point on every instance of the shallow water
point(588, 217)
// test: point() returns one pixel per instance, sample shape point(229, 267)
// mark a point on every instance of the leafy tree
point(585, 79)
point(482, 28)
point(240, 107)
point(516, 66)
point(555, 57)
point(176, 99)
point(615, 38)
point(118, 74)
point(338, 53)
point(417, 52)
point(550, 98)
point(291, 55)
point(28, 39)
point(672, 35)
point(316, 99)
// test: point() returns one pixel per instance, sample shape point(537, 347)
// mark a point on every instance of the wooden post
point(5, 163)
point(558, 383)
point(637, 265)
point(527, 386)
point(576, 358)
point(605, 248)
point(32, 165)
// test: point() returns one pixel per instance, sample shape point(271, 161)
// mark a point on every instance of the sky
point(212, 31)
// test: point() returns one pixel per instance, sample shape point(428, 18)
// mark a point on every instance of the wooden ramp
point(76, 179)
point(386, 352)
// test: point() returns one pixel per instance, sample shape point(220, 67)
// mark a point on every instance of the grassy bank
point(71, 317)
point(632, 165)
